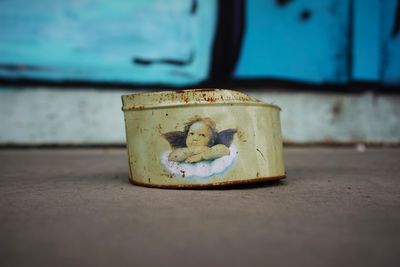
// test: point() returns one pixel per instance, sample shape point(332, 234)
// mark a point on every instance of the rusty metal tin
point(201, 138)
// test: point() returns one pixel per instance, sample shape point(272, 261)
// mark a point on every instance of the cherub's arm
point(182, 154)
point(179, 154)
point(199, 153)
point(217, 151)
point(209, 153)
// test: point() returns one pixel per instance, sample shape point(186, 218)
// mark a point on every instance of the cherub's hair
point(178, 138)
point(210, 123)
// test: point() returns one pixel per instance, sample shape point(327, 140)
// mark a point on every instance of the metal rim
point(172, 105)
point(211, 185)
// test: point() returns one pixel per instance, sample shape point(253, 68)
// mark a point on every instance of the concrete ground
point(75, 207)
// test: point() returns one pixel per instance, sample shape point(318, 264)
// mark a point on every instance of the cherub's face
point(199, 135)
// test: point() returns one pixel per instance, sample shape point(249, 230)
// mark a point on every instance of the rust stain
point(159, 128)
point(241, 135)
point(211, 99)
point(193, 96)
point(167, 175)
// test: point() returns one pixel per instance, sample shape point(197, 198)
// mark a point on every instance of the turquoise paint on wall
point(391, 43)
point(302, 40)
point(327, 41)
point(376, 50)
point(97, 40)
point(367, 40)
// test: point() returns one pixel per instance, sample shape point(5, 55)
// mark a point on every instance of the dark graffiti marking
point(396, 22)
point(170, 61)
point(283, 3)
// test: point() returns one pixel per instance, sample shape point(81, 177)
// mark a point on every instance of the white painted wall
point(74, 116)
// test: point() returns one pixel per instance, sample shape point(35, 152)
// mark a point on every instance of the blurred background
point(332, 65)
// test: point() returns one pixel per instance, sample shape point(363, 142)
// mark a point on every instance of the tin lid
point(153, 100)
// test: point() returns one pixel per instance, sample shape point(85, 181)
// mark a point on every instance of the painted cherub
point(199, 141)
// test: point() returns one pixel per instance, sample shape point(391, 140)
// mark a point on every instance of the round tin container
point(201, 138)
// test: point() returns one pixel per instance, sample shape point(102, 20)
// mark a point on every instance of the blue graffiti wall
point(187, 42)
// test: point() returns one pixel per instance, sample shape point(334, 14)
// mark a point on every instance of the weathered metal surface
point(201, 138)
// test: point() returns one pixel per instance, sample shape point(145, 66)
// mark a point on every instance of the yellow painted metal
point(202, 137)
